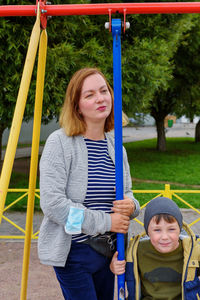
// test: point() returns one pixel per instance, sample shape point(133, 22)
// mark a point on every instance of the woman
point(77, 187)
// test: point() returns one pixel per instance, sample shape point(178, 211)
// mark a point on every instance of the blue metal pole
point(117, 84)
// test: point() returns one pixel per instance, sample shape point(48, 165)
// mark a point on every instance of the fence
point(19, 225)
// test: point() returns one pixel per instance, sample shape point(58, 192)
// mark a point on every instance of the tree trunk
point(197, 132)
point(161, 139)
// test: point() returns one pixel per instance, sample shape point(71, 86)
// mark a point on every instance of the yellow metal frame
point(34, 159)
point(166, 192)
point(35, 40)
point(34, 236)
point(18, 114)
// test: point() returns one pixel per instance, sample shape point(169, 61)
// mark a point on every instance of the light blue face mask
point(74, 220)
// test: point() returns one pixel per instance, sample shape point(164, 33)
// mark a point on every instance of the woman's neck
point(94, 134)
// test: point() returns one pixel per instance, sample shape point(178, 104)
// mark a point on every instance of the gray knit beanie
point(162, 205)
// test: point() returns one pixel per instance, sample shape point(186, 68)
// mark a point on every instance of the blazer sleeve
point(55, 167)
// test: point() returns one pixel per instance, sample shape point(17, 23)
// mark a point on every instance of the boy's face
point(164, 236)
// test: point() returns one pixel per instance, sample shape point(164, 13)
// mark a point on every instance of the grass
point(19, 180)
point(180, 164)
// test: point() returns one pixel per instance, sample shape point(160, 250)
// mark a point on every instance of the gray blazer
point(63, 183)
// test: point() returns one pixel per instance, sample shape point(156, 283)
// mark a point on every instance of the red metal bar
point(18, 10)
point(102, 9)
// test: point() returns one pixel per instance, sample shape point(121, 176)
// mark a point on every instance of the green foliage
point(73, 42)
point(149, 68)
point(14, 34)
point(149, 59)
point(186, 74)
point(151, 43)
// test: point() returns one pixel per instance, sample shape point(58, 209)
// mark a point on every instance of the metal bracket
point(125, 25)
point(43, 12)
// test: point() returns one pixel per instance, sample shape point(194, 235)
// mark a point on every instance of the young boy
point(164, 265)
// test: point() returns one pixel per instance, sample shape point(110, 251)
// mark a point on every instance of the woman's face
point(95, 102)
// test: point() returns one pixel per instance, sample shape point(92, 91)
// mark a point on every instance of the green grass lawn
point(180, 164)
point(17, 181)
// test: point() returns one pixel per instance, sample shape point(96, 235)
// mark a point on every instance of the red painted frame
point(101, 9)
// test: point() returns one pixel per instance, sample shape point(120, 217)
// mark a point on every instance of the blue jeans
point(86, 275)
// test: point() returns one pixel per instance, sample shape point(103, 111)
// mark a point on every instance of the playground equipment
point(42, 10)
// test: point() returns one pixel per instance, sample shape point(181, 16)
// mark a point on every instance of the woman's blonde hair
point(70, 118)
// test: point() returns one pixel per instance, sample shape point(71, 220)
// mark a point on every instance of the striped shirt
point(101, 180)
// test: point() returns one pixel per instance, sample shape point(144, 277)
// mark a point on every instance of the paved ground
point(42, 284)
point(148, 132)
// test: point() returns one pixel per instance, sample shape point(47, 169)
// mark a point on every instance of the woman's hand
point(117, 266)
point(119, 223)
point(125, 207)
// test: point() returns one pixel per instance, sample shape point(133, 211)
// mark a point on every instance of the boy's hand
point(124, 207)
point(117, 266)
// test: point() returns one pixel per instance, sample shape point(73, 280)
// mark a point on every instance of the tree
point(162, 104)
point(152, 45)
point(73, 42)
point(78, 41)
point(197, 132)
point(187, 76)
point(14, 34)
point(148, 51)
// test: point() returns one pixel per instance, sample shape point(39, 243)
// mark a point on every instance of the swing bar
point(100, 9)
point(117, 85)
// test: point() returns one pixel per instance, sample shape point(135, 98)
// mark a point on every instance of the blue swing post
point(117, 84)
